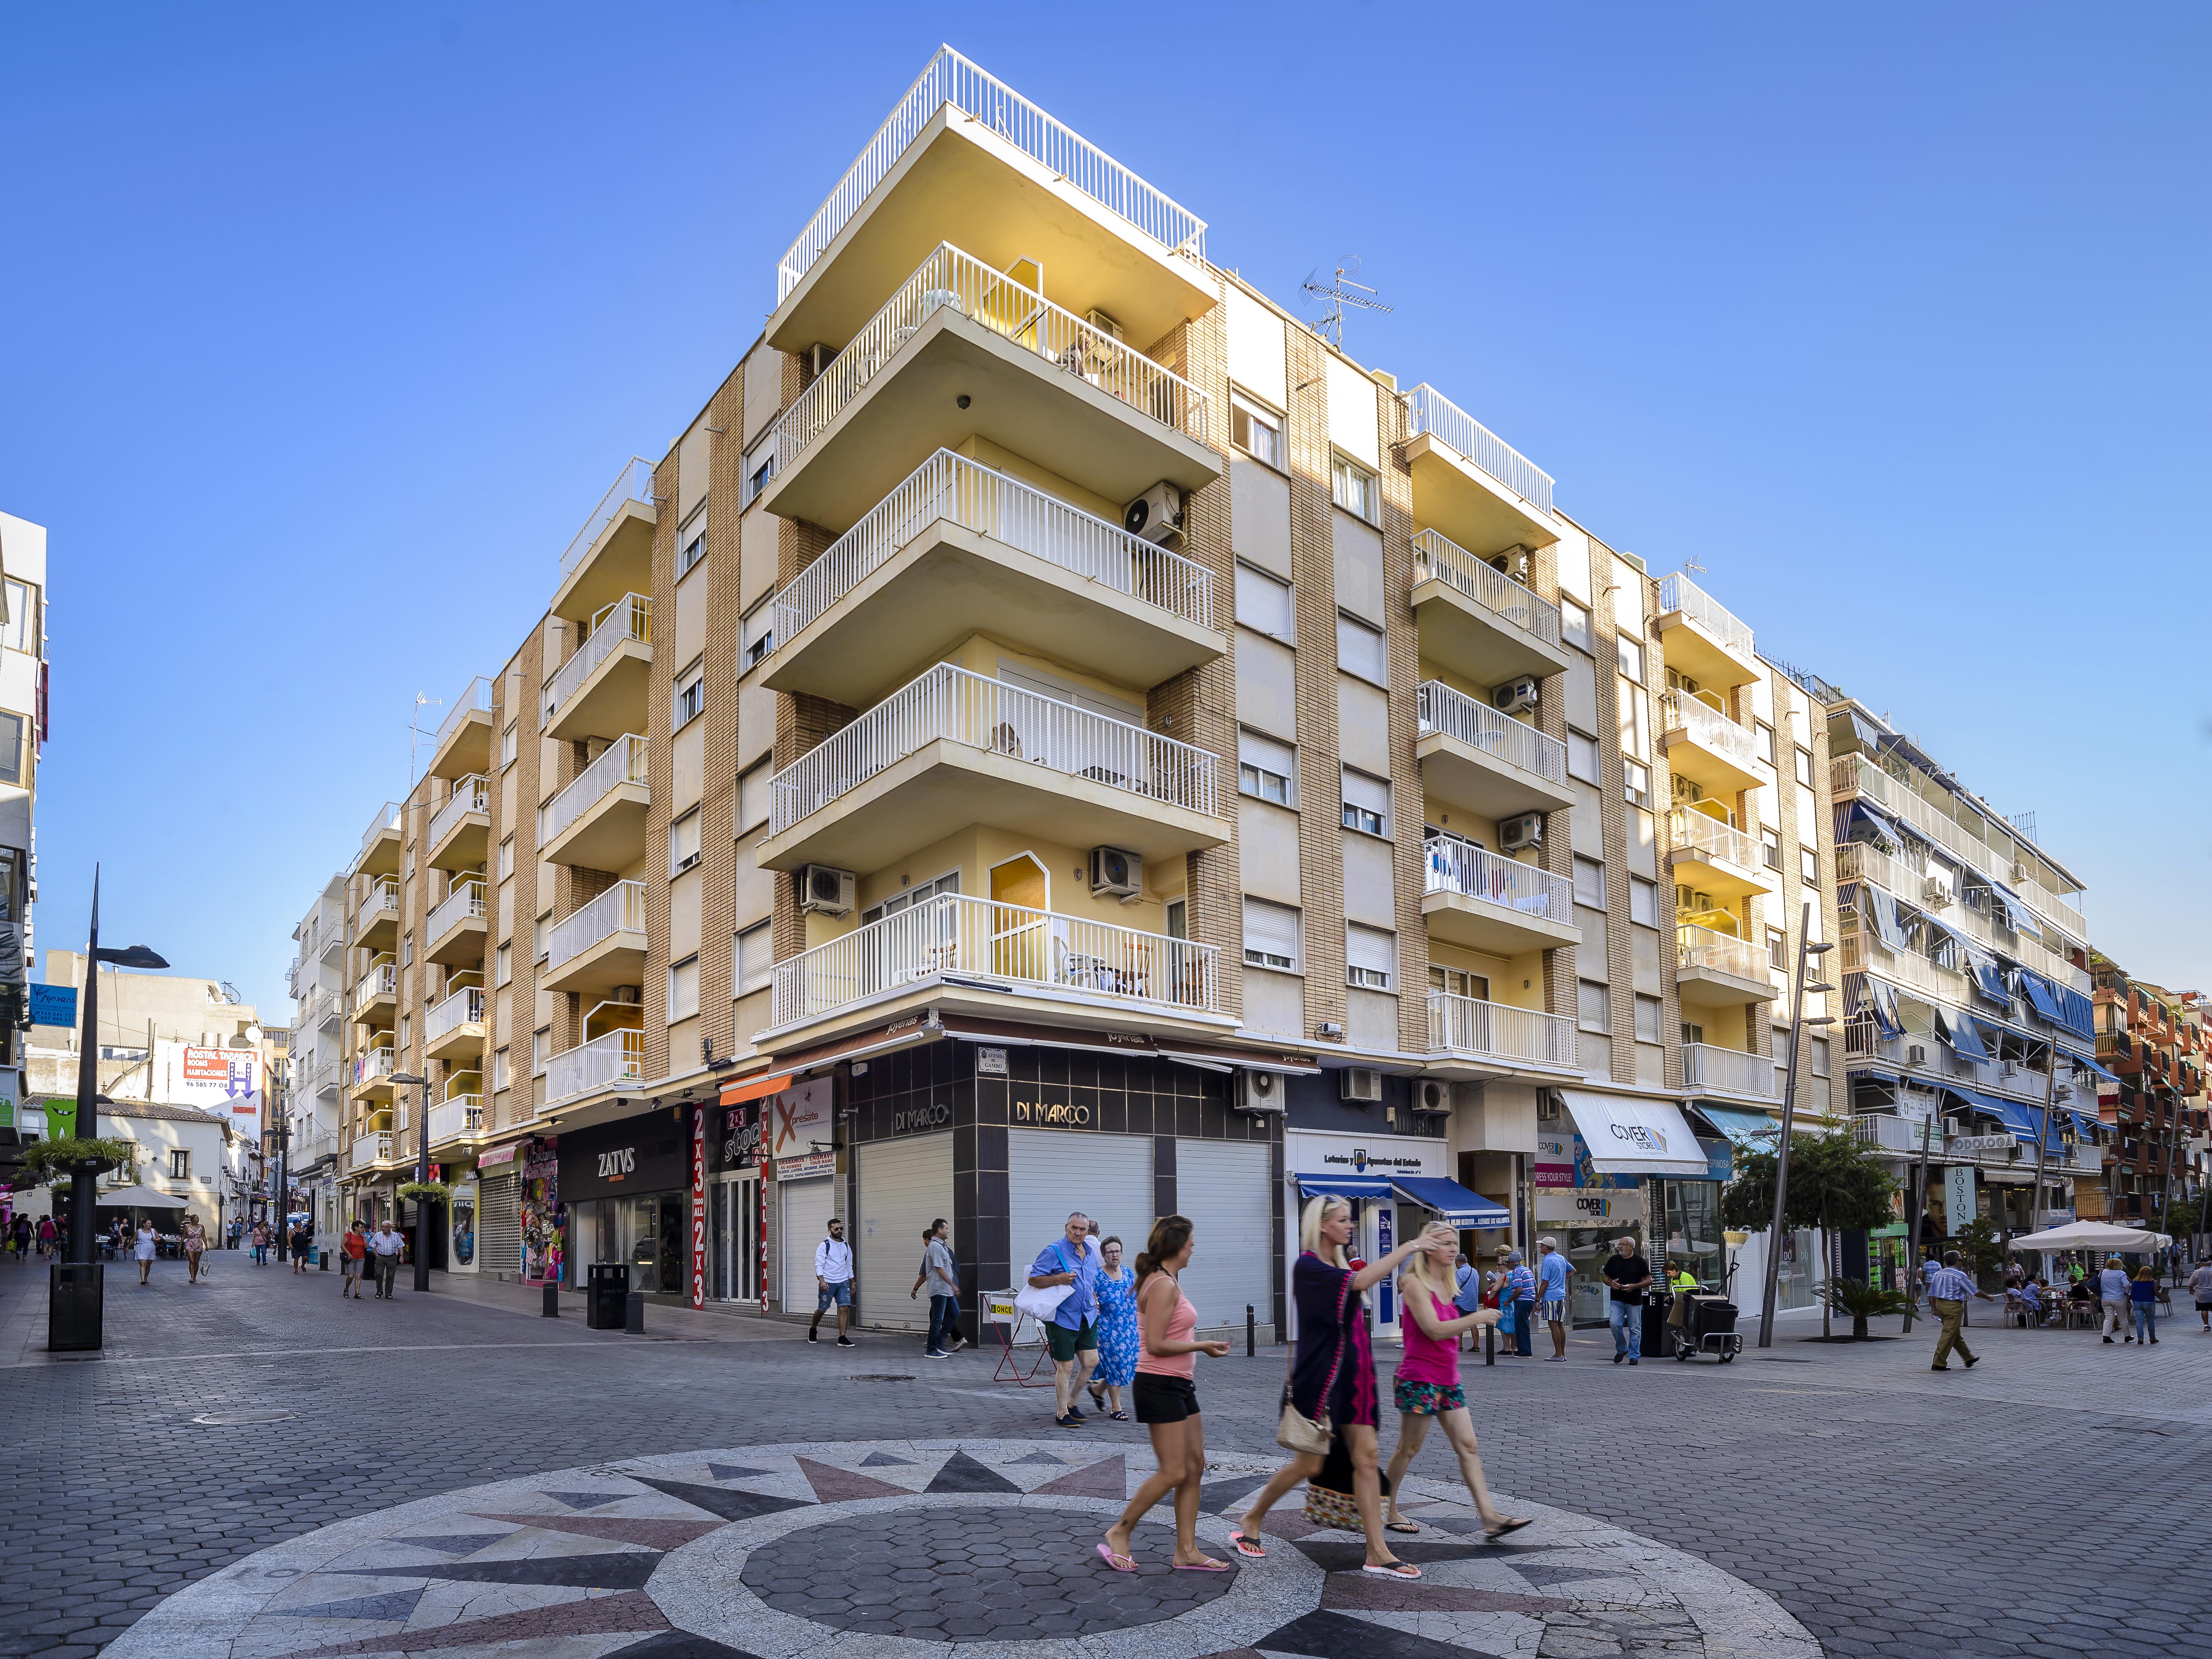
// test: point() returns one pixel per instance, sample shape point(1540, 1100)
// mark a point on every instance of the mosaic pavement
point(902, 1549)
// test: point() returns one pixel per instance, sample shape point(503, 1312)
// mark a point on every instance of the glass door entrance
point(733, 1244)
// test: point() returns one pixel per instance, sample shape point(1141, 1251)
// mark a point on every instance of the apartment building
point(23, 736)
point(2152, 1040)
point(314, 1095)
point(1055, 732)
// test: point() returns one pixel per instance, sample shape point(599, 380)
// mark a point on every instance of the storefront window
point(1586, 1249)
point(1694, 1230)
point(1797, 1280)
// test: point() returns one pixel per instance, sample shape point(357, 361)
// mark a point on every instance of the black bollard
point(1490, 1345)
point(1251, 1332)
point(552, 1309)
point(634, 1314)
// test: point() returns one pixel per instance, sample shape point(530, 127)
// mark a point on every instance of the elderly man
point(1948, 1290)
point(1629, 1275)
point(1552, 1272)
point(1072, 1334)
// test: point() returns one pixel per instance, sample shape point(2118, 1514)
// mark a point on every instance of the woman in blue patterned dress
point(1118, 1341)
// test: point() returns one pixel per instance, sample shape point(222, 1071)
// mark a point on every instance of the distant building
point(22, 731)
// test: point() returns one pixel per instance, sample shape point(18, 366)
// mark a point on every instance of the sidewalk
point(722, 1323)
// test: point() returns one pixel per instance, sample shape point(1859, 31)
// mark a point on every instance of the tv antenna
point(1330, 327)
point(1691, 564)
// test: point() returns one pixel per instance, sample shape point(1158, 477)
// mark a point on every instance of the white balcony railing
point(621, 908)
point(1455, 715)
point(466, 901)
point(951, 488)
point(324, 1079)
point(464, 1008)
point(1862, 952)
point(1454, 866)
point(1438, 557)
point(374, 1063)
point(949, 279)
point(951, 703)
point(386, 819)
point(1894, 1134)
point(1007, 946)
point(1861, 861)
point(1679, 592)
point(1709, 838)
point(1476, 444)
point(382, 980)
point(1728, 1071)
point(633, 483)
point(321, 1006)
point(952, 79)
point(373, 1147)
point(469, 796)
point(1706, 726)
point(622, 762)
point(383, 897)
point(605, 1062)
point(476, 697)
point(455, 1118)
point(629, 617)
point(1703, 947)
point(1495, 1030)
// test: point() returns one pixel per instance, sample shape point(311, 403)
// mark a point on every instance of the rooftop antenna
point(423, 699)
point(1691, 564)
point(1330, 327)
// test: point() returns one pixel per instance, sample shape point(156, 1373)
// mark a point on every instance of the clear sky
point(1893, 318)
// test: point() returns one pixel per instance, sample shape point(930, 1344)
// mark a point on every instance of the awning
point(137, 1198)
point(1962, 1034)
point(1886, 922)
point(1342, 1186)
point(1457, 1205)
point(1635, 1134)
point(494, 1156)
point(2075, 1012)
point(753, 1088)
point(1860, 814)
point(1753, 1131)
point(2042, 995)
point(1882, 1002)
point(2018, 917)
point(2089, 1065)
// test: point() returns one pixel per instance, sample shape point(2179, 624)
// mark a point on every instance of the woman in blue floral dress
point(1118, 1339)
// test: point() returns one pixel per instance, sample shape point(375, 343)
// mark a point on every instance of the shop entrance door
point(733, 1251)
point(806, 1206)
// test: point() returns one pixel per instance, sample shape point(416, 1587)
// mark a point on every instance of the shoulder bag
point(1040, 1304)
point(1296, 1431)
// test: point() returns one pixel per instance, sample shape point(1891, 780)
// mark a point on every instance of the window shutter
point(1371, 949)
point(1270, 930)
point(1371, 793)
point(1253, 749)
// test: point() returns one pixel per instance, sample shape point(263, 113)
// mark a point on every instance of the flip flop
point(1117, 1416)
point(1115, 1561)
point(1403, 1570)
point(1208, 1565)
point(1400, 1526)
point(1510, 1526)
point(1245, 1547)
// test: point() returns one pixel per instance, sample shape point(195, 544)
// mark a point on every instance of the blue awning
point(2075, 1012)
point(2018, 916)
point(2043, 996)
point(1886, 922)
point(1746, 1128)
point(2089, 1065)
point(1457, 1205)
point(1885, 832)
point(1882, 1002)
point(1989, 978)
point(1343, 1186)
point(1963, 1034)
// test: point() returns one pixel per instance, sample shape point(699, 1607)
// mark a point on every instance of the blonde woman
point(1333, 1375)
point(1428, 1386)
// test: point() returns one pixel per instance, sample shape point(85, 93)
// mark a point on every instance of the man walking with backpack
point(833, 1280)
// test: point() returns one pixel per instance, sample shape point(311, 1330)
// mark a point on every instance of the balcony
point(612, 1061)
point(1701, 638)
point(613, 554)
point(1491, 764)
point(464, 735)
point(324, 1085)
point(1470, 483)
point(456, 927)
point(1490, 903)
point(602, 688)
point(1715, 858)
point(1478, 622)
point(1708, 1070)
point(964, 157)
point(1705, 746)
point(954, 749)
point(977, 945)
point(322, 1007)
point(1039, 380)
point(958, 548)
point(371, 1074)
point(1495, 1033)
point(454, 1028)
point(598, 820)
point(457, 1117)
point(1889, 1132)
point(460, 827)
point(1718, 970)
point(376, 923)
point(1862, 952)
point(369, 1150)
point(600, 945)
point(379, 844)
point(377, 992)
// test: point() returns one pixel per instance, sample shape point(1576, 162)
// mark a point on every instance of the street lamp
point(421, 1086)
point(1806, 951)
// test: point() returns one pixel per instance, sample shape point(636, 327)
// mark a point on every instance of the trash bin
point(1657, 1338)
point(606, 1296)
point(73, 1307)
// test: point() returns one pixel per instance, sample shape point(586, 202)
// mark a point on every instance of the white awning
point(1636, 1134)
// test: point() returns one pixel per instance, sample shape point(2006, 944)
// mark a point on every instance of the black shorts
point(1163, 1399)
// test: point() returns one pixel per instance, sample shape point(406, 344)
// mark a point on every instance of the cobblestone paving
point(1891, 1511)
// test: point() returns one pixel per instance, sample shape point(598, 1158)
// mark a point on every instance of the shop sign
point(919, 1119)
point(806, 1165)
point(799, 1120)
point(1957, 1198)
point(1720, 1159)
point(1554, 1162)
point(743, 1129)
point(698, 1207)
point(1588, 1208)
point(1979, 1145)
point(1054, 1114)
point(1359, 1160)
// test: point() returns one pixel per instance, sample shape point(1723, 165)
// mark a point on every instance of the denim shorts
point(839, 1295)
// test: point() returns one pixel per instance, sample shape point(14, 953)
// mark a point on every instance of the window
point(1693, 1035)
point(1267, 768)
point(1574, 624)
point(1178, 919)
point(1458, 983)
point(755, 957)
point(1258, 432)
point(407, 949)
point(21, 633)
point(1271, 935)
point(1370, 957)
point(1631, 659)
point(753, 797)
point(537, 937)
point(683, 842)
point(1770, 839)
point(1777, 949)
point(1808, 866)
point(691, 543)
point(506, 749)
point(1581, 756)
point(181, 1162)
point(498, 1069)
point(1821, 1059)
point(1366, 803)
point(507, 858)
point(541, 1049)
point(755, 634)
point(760, 467)
point(1593, 1006)
point(1359, 649)
point(949, 882)
point(1590, 882)
point(690, 695)
point(1647, 1019)
point(1263, 604)
point(406, 1044)
point(1762, 736)
point(504, 965)
point(1352, 488)
point(1643, 902)
point(1805, 767)
point(11, 749)
point(684, 987)
point(1636, 782)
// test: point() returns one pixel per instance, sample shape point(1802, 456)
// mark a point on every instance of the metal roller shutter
point(904, 1186)
point(1223, 1186)
point(1051, 1172)
point(805, 1207)
point(499, 1225)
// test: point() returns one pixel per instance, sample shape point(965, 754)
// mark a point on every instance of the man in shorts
point(833, 1283)
point(2200, 1287)
point(351, 1250)
point(1072, 1334)
point(1551, 1269)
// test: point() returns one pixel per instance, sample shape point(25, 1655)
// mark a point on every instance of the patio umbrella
point(139, 1198)
point(2101, 1235)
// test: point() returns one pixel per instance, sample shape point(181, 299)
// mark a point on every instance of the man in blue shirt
point(1948, 1290)
point(1519, 1290)
point(1552, 1272)
point(1072, 1334)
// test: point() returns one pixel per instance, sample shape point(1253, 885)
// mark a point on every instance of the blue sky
point(1892, 317)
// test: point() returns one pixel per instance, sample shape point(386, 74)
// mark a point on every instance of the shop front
point(736, 1233)
point(1610, 1167)
point(626, 1190)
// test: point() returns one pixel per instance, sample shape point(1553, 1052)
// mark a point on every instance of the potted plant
point(1836, 1183)
point(1862, 1300)
point(426, 1192)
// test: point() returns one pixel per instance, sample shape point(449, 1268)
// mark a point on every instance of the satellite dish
point(253, 1034)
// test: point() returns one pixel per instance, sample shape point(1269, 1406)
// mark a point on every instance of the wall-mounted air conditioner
point(1259, 1091)
point(1934, 893)
point(1524, 829)
point(1514, 696)
point(1104, 324)
point(1362, 1084)
point(1116, 872)
point(827, 891)
point(1915, 1053)
point(1155, 515)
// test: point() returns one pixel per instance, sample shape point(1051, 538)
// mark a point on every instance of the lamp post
point(1806, 951)
point(422, 1087)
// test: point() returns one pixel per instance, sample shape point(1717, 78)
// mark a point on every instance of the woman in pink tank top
point(1428, 1386)
point(1166, 1399)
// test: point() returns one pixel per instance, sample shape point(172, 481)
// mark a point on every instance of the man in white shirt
point(387, 1243)
point(833, 1283)
point(2200, 1287)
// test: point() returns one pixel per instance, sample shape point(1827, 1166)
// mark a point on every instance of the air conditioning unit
point(1514, 696)
point(623, 993)
point(1432, 1097)
point(2023, 873)
point(1934, 893)
point(1259, 1091)
point(1116, 874)
point(1513, 561)
point(1550, 1108)
point(1955, 1126)
point(827, 891)
point(1104, 324)
point(819, 358)
point(1915, 1055)
point(1524, 830)
point(1155, 515)
point(1359, 1083)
